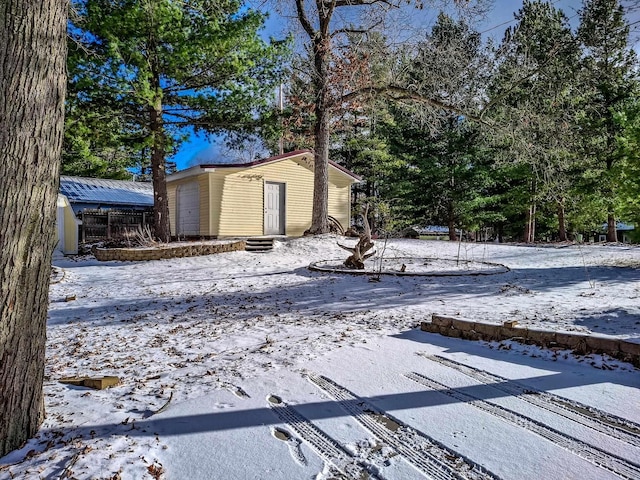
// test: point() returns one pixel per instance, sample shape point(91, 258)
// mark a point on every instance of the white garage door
point(188, 207)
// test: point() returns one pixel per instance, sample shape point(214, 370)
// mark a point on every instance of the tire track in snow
point(619, 428)
point(430, 457)
point(600, 458)
point(325, 447)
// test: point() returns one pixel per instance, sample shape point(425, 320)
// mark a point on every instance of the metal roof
point(620, 227)
point(432, 229)
point(107, 192)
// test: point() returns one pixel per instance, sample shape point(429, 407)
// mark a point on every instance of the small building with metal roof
point(102, 194)
point(99, 196)
point(625, 232)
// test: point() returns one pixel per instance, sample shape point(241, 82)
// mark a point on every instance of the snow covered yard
point(244, 365)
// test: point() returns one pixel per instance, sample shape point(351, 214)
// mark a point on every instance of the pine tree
point(98, 141)
point(609, 74)
point(169, 67)
point(532, 99)
point(628, 166)
point(444, 167)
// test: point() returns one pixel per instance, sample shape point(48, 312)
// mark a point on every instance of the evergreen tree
point(609, 74)
point(628, 165)
point(167, 68)
point(443, 168)
point(532, 99)
point(441, 178)
point(98, 142)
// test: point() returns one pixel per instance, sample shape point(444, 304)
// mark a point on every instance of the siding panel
point(243, 198)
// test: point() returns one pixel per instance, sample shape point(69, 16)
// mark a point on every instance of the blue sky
point(500, 18)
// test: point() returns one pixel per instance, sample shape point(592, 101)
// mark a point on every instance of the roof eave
point(345, 171)
point(190, 172)
point(256, 163)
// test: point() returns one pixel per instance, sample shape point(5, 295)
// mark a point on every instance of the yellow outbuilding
point(272, 196)
point(66, 227)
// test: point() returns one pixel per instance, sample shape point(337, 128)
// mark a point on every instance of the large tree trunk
point(320, 212)
point(562, 224)
point(612, 230)
point(159, 175)
point(32, 89)
point(530, 227)
point(451, 223)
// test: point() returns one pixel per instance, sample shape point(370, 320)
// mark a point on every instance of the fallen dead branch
point(359, 251)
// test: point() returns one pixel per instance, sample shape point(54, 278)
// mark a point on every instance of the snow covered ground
point(251, 366)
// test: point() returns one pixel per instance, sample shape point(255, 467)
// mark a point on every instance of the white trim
point(282, 207)
point(189, 172)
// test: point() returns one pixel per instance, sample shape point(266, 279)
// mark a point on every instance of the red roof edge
point(275, 159)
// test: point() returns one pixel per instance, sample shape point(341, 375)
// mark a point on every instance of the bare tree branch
point(398, 93)
point(354, 3)
point(304, 20)
point(355, 30)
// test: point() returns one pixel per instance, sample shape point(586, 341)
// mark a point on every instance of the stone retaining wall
point(580, 344)
point(159, 253)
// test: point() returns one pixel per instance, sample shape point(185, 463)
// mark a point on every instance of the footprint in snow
point(293, 443)
point(239, 392)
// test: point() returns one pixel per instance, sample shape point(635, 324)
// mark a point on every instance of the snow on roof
point(100, 190)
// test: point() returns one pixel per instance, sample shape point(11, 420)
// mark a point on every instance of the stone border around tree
point(580, 344)
point(164, 252)
point(323, 266)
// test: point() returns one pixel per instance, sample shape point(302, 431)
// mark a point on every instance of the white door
point(188, 209)
point(274, 208)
